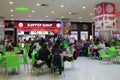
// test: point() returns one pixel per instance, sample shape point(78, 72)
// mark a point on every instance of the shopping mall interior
point(59, 39)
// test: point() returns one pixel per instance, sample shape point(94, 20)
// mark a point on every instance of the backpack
point(37, 56)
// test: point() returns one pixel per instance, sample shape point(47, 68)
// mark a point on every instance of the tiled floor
point(84, 69)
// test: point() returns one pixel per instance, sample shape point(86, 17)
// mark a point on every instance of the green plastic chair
point(2, 63)
point(117, 59)
point(3, 51)
point(12, 62)
point(0, 58)
point(16, 49)
point(103, 54)
point(25, 60)
point(9, 53)
point(33, 59)
point(118, 43)
point(89, 53)
point(72, 61)
point(111, 52)
point(27, 47)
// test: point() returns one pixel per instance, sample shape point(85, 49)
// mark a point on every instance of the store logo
point(109, 8)
point(99, 9)
point(85, 27)
point(58, 25)
point(20, 24)
point(74, 27)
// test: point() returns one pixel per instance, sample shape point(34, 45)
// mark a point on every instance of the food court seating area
point(17, 66)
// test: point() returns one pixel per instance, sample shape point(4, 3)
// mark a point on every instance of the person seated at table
point(69, 52)
point(9, 46)
point(101, 45)
point(1, 47)
point(57, 60)
point(44, 55)
point(92, 49)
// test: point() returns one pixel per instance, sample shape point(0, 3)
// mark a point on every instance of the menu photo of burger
point(100, 25)
point(98, 9)
point(109, 8)
point(112, 25)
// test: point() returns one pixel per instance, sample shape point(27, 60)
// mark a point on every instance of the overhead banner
point(105, 18)
point(38, 26)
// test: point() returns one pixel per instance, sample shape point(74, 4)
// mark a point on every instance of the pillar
point(65, 28)
point(105, 20)
point(1, 30)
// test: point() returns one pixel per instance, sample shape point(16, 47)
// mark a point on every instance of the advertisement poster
point(73, 36)
point(106, 36)
point(118, 25)
point(105, 16)
point(84, 35)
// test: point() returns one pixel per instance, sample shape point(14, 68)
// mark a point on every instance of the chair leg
point(1, 69)
point(72, 63)
point(27, 67)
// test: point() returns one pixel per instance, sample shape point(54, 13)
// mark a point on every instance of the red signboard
point(98, 10)
point(109, 8)
point(105, 8)
point(115, 32)
point(105, 16)
point(37, 26)
point(117, 14)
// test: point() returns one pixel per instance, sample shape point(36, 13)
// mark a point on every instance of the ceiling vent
point(65, 19)
point(45, 5)
point(73, 13)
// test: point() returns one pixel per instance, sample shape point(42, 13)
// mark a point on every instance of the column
point(1, 30)
point(65, 28)
point(105, 20)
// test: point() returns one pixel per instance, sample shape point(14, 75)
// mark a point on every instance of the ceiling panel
point(74, 6)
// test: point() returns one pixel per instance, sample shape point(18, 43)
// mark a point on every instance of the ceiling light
point(62, 16)
point(80, 17)
point(21, 9)
point(62, 6)
point(91, 21)
point(81, 21)
point(53, 12)
point(83, 7)
point(10, 2)
point(30, 16)
point(37, 4)
point(11, 10)
point(91, 14)
point(57, 20)
point(92, 18)
point(26, 19)
point(46, 16)
point(12, 15)
point(70, 12)
point(12, 19)
point(33, 11)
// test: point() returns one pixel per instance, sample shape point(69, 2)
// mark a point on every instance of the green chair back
point(89, 51)
point(16, 49)
point(12, 61)
point(103, 54)
point(3, 51)
point(25, 60)
point(0, 58)
point(33, 56)
point(27, 46)
point(111, 52)
point(9, 53)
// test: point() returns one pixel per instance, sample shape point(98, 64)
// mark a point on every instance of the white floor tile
point(84, 69)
